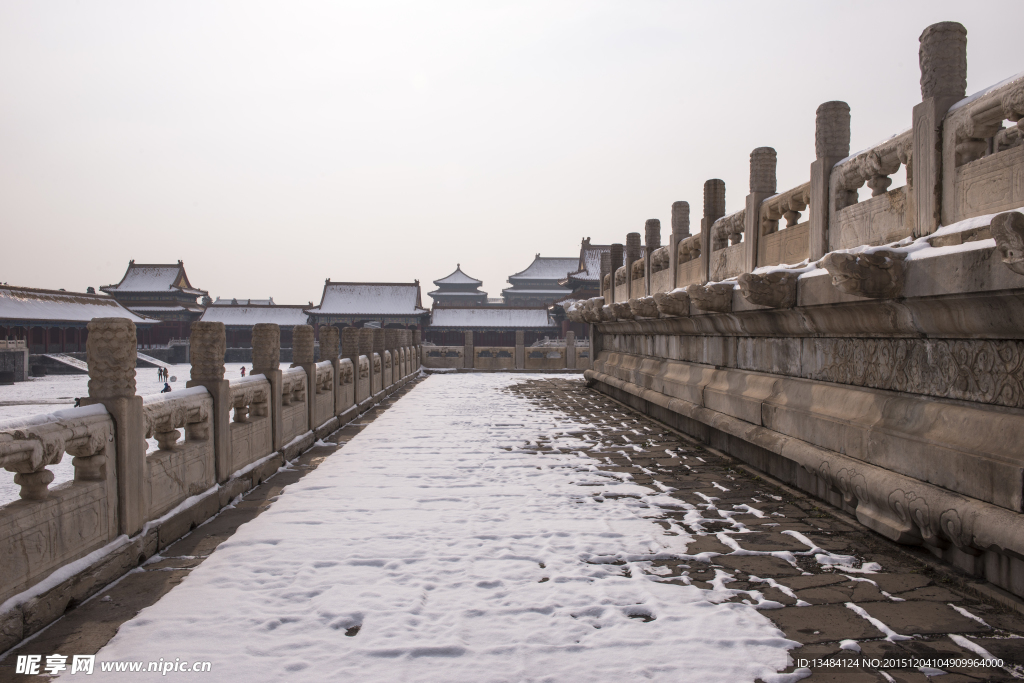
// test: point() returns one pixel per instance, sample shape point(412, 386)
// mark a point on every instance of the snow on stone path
point(441, 545)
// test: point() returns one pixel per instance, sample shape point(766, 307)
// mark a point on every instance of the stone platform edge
point(979, 538)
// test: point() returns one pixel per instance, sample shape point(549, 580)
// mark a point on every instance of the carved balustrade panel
point(251, 429)
point(728, 230)
point(178, 470)
point(784, 239)
point(294, 394)
point(49, 528)
point(884, 218)
point(983, 159)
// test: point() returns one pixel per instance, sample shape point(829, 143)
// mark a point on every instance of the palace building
point(161, 291)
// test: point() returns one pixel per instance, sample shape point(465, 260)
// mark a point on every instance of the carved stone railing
point(48, 528)
point(689, 264)
point(363, 386)
point(887, 216)
point(728, 249)
point(295, 413)
point(130, 503)
point(323, 396)
point(251, 430)
point(788, 243)
point(660, 260)
point(981, 157)
point(179, 470)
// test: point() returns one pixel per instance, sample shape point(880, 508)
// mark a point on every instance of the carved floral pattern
point(987, 371)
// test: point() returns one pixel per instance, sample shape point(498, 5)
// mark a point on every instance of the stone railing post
point(652, 240)
point(111, 356)
point(943, 58)
point(391, 341)
point(468, 353)
point(350, 345)
point(208, 344)
point(330, 349)
point(616, 256)
point(521, 346)
point(378, 348)
point(570, 350)
point(680, 231)
point(762, 185)
point(417, 342)
point(266, 361)
point(714, 208)
point(366, 349)
point(303, 355)
point(831, 145)
point(632, 254)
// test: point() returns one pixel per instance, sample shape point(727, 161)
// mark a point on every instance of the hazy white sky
point(273, 145)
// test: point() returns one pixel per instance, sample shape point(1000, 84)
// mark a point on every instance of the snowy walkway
point(460, 537)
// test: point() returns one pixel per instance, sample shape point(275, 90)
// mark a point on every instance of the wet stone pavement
point(844, 592)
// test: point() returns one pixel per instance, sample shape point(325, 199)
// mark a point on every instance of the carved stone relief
point(1008, 231)
point(875, 275)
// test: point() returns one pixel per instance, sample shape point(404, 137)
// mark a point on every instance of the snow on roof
point(547, 268)
point(458, 278)
point(23, 303)
point(531, 292)
point(443, 293)
point(221, 301)
point(285, 316)
point(154, 277)
point(490, 317)
point(589, 267)
point(370, 298)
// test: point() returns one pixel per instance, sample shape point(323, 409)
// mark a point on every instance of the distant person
point(159, 374)
point(243, 371)
point(166, 389)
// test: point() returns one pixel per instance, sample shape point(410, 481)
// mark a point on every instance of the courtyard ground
point(490, 527)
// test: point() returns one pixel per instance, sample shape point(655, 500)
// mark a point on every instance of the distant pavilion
point(458, 289)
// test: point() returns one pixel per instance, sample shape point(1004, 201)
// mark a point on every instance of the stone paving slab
point(906, 596)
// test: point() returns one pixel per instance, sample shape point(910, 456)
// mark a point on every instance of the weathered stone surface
point(303, 349)
point(712, 297)
point(266, 347)
point(1008, 231)
point(207, 346)
point(776, 289)
point(943, 60)
point(674, 303)
point(644, 307)
point(875, 275)
point(111, 357)
point(832, 130)
point(330, 342)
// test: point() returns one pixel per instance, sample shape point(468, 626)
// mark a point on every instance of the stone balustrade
point(213, 441)
point(867, 350)
point(561, 355)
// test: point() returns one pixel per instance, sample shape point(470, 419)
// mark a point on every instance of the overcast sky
point(272, 145)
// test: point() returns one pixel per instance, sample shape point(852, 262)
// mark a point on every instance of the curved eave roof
point(458, 278)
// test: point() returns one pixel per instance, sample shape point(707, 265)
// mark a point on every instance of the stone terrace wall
point(127, 501)
point(882, 369)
